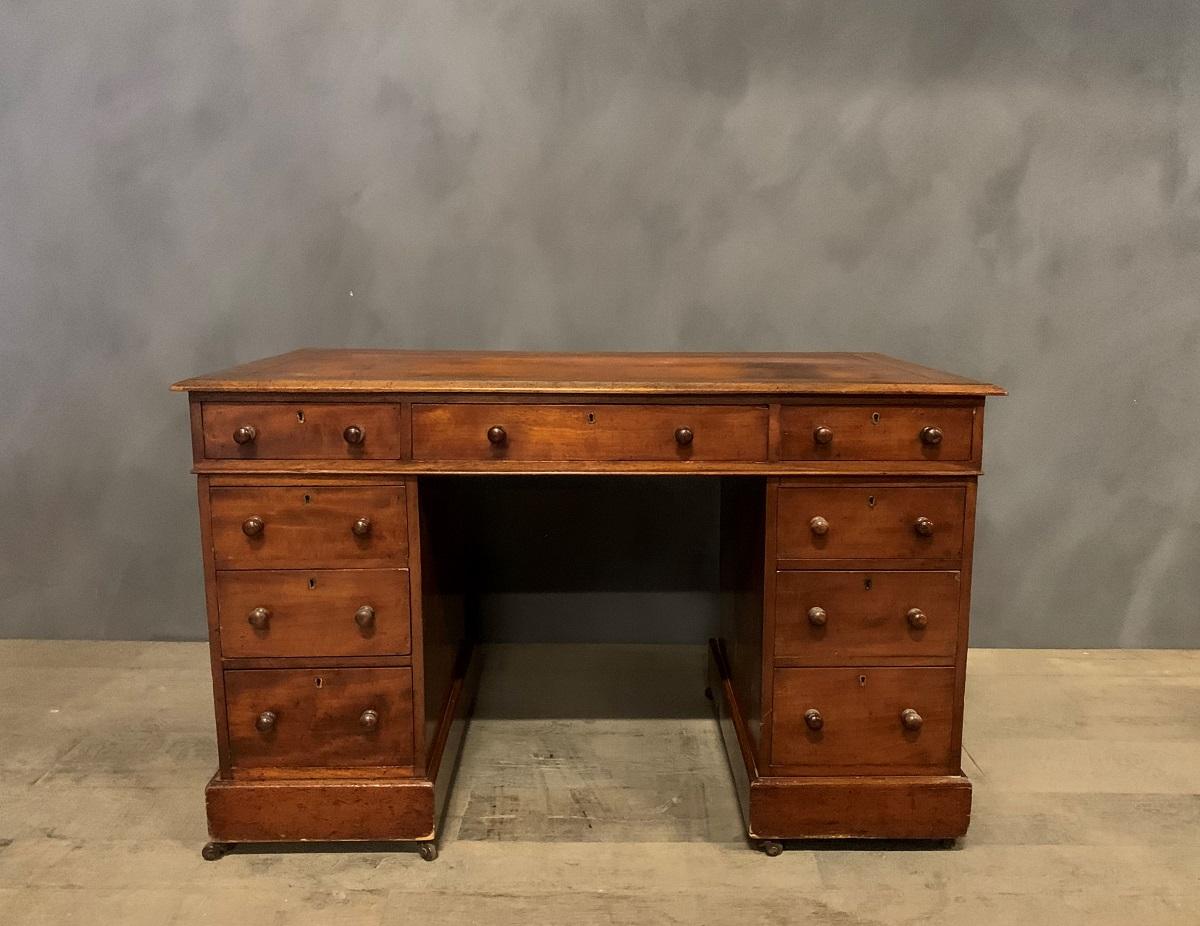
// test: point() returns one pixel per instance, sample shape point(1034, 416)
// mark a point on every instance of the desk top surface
point(353, 370)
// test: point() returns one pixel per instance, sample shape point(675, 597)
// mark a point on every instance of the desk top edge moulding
point(342, 657)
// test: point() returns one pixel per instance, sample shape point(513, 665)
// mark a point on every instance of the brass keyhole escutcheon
point(862, 681)
point(874, 417)
point(312, 583)
point(591, 417)
point(300, 416)
point(318, 681)
point(868, 584)
point(870, 501)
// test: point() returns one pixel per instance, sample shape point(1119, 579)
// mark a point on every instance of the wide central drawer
point(319, 717)
point(305, 527)
point(314, 612)
point(499, 431)
point(871, 720)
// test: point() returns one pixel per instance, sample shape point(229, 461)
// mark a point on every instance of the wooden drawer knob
point(819, 526)
point(911, 719)
point(353, 434)
point(683, 436)
point(369, 719)
point(813, 719)
point(245, 434)
point(917, 619)
point(931, 436)
point(253, 526)
point(361, 527)
point(265, 722)
point(497, 435)
point(923, 526)
point(817, 617)
point(823, 435)
point(365, 617)
point(259, 618)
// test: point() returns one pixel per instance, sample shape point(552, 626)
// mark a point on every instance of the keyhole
point(591, 417)
point(867, 584)
point(312, 583)
point(319, 681)
point(874, 417)
point(300, 416)
point(862, 681)
point(870, 501)
point(307, 499)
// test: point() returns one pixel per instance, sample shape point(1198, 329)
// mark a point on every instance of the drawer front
point(319, 717)
point(871, 522)
point(876, 432)
point(832, 617)
point(307, 527)
point(314, 612)
point(676, 433)
point(286, 431)
point(861, 722)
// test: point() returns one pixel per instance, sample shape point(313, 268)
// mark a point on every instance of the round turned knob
point(245, 434)
point(917, 619)
point(817, 617)
point(253, 526)
point(369, 719)
point(361, 527)
point(823, 435)
point(813, 719)
point(353, 434)
point(911, 719)
point(365, 616)
point(931, 436)
point(497, 435)
point(683, 436)
point(259, 618)
point(819, 526)
point(265, 721)
point(923, 526)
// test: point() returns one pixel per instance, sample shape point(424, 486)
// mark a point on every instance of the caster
point(428, 851)
point(708, 693)
point(215, 850)
point(772, 847)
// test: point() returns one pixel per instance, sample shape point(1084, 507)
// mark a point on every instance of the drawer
point(861, 721)
point(301, 431)
point(871, 522)
point(317, 612)
point(599, 433)
point(319, 717)
point(307, 527)
point(832, 617)
point(876, 432)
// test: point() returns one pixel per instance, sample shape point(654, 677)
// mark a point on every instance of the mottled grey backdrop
point(1007, 189)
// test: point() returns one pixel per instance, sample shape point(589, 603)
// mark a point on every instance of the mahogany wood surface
point(318, 717)
point(876, 432)
point(314, 612)
point(303, 431)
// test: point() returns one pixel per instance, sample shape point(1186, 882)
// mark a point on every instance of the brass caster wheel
point(772, 847)
point(428, 851)
point(708, 693)
point(215, 850)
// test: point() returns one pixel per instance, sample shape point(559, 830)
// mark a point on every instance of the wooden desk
point(341, 656)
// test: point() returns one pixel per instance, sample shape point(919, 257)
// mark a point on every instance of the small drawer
point(876, 432)
point(871, 522)
point(869, 720)
point(319, 717)
point(307, 527)
point(314, 612)
point(301, 431)
point(600, 433)
point(832, 617)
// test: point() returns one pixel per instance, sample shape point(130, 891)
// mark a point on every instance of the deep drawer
point(306, 527)
point(301, 431)
point(871, 522)
point(860, 721)
point(594, 433)
point(314, 612)
point(876, 432)
point(832, 617)
point(319, 717)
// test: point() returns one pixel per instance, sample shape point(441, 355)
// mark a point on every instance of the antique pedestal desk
point(339, 609)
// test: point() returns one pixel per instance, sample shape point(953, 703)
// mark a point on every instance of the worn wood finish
point(594, 433)
point(840, 618)
point(871, 521)
point(314, 612)
point(302, 431)
point(876, 432)
point(309, 527)
point(861, 730)
point(320, 717)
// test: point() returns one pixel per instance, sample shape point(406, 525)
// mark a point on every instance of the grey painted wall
point(1007, 189)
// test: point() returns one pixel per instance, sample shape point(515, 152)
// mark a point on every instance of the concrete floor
point(593, 789)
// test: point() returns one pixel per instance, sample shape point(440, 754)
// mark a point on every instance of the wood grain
point(297, 430)
point(876, 432)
